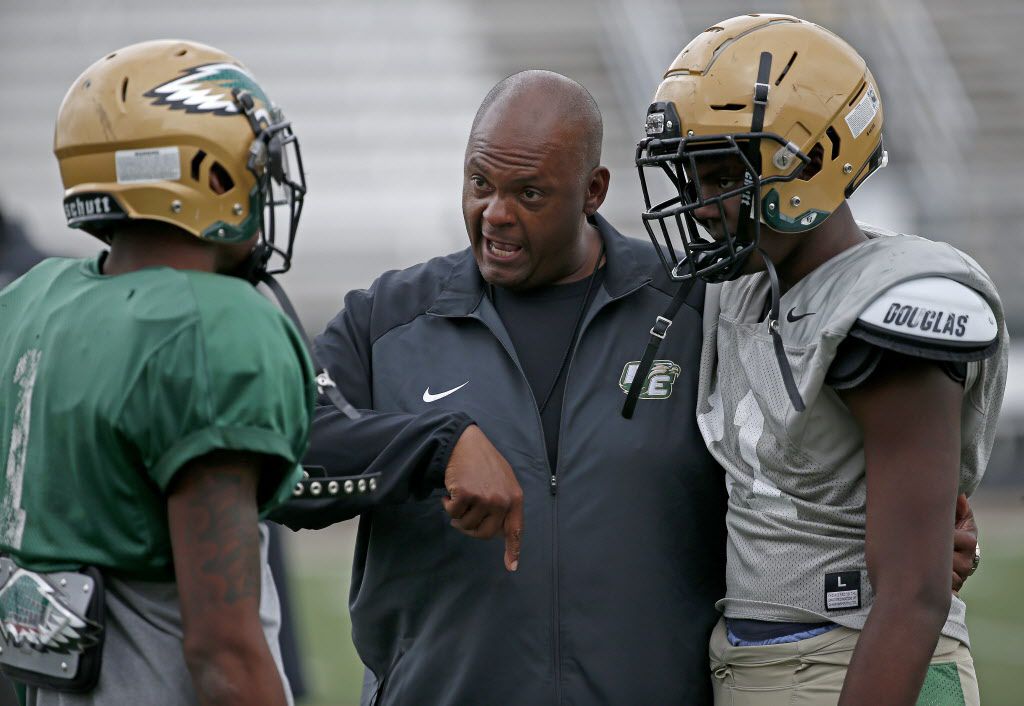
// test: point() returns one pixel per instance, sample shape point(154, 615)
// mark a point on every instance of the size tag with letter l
point(842, 590)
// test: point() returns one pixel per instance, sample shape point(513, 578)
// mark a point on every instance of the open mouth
point(501, 250)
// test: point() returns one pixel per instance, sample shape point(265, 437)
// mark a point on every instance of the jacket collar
point(465, 286)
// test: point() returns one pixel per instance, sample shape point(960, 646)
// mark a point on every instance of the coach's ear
point(965, 543)
point(597, 190)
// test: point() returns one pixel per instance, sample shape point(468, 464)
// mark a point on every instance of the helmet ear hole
point(833, 137)
point(817, 155)
point(220, 181)
point(196, 161)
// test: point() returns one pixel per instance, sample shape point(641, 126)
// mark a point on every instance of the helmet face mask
point(684, 250)
point(275, 159)
point(791, 106)
point(180, 133)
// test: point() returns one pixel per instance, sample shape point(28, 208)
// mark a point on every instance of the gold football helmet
point(181, 133)
point(792, 101)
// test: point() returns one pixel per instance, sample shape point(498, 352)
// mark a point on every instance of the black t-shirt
point(541, 323)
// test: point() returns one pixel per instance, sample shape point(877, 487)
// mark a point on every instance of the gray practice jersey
point(796, 481)
point(143, 659)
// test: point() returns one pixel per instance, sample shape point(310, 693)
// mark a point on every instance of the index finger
point(513, 535)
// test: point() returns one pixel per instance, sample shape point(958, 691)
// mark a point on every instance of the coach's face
point(526, 194)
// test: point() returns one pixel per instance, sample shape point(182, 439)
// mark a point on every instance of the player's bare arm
point(909, 412)
point(212, 512)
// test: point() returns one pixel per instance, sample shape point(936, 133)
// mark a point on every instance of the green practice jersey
point(110, 384)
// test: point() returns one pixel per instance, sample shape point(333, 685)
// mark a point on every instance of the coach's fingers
point(472, 518)
point(965, 540)
point(456, 504)
point(964, 514)
point(963, 557)
point(489, 526)
point(513, 527)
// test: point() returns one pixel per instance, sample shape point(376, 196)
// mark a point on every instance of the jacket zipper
point(553, 487)
point(554, 585)
point(553, 480)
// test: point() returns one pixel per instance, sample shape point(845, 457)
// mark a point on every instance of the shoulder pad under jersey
point(930, 317)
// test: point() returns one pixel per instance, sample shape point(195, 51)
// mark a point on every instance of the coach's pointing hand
point(485, 497)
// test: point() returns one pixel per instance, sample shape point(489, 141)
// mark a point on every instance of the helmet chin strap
point(253, 268)
point(761, 89)
point(325, 385)
point(773, 327)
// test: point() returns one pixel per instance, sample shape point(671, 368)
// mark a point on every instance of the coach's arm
point(406, 456)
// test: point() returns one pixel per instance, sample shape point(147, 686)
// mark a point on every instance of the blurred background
point(382, 93)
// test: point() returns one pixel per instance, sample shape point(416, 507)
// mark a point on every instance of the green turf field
point(995, 605)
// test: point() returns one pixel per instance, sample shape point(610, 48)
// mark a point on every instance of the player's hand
point(484, 496)
point(965, 539)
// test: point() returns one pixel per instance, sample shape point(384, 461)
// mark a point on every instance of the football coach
point(518, 351)
point(529, 335)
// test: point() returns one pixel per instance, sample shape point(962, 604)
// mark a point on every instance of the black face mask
point(275, 158)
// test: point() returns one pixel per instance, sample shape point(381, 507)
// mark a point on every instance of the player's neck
point(836, 235)
point(157, 247)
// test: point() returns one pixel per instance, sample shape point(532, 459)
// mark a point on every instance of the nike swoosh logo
point(793, 319)
point(427, 397)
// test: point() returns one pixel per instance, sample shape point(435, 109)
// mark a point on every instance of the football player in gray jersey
point(850, 379)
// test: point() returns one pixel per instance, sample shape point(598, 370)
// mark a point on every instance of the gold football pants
point(811, 672)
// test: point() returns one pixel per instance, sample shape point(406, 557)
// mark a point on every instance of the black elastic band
point(658, 333)
point(575, 332)
point(780, 350)
point(323, 378)
point(761, 92)
point(751, 198)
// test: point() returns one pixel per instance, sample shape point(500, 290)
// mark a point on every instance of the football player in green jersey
point(151, 408)
point(850, 380)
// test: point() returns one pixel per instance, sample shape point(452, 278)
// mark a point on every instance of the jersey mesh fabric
point(134, 376)
point(941, 686)
point(796, 481)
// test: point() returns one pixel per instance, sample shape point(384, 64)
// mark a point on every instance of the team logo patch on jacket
point(659, 382)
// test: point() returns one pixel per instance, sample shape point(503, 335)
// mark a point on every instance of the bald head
point(544, 102)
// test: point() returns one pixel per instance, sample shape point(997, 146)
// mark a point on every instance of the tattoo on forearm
point(224, 535)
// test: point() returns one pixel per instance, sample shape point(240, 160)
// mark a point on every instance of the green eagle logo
point(207, 89)
point(32, 614)
point(659, 382)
